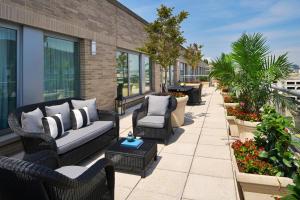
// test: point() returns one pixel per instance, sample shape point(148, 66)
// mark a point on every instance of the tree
point(193, 55)
point(165, 37)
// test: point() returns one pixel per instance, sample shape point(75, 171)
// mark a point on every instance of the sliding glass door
point(61, 69)
point(8, 73)
point(134, 73)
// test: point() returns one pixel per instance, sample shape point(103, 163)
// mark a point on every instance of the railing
point(295, 113)
point(191, 78)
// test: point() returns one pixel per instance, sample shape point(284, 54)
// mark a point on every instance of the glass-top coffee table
point(132, 160)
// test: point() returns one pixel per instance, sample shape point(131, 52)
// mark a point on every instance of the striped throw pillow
point(80, 118)
point(53, 125)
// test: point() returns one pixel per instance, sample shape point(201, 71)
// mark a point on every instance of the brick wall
point(100, 20)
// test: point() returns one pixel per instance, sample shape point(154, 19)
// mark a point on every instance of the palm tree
point(223, 70)
point(257, 70)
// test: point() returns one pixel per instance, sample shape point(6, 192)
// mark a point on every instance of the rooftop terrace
point(196, 164)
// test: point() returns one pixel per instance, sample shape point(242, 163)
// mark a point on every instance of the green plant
point(223, 70)
point(165, 38)
point(256, 70)
point(273, 134)
point(248, 160)
point(293, 190)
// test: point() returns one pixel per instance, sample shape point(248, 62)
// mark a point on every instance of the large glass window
point(129, 68)
point(134, 73)
point(122, 71)
point(8, 73)
point(61, 69)
point(148, 74)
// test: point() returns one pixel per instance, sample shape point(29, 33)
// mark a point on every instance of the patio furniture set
point(47, 170)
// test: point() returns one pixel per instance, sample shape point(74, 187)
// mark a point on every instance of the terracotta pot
point(177, 116)
point(260, 187)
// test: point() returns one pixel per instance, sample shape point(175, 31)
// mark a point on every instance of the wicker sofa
point(76, 144)
point(41, 177)
point(154, 131)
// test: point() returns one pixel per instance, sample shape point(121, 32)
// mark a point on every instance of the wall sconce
point(93, 48)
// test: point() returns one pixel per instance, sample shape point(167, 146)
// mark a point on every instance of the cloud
point(279, 12)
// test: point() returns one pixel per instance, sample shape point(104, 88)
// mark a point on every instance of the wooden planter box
point(260, 187)
point(177, 116)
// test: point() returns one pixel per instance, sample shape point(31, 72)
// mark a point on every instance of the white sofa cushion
point(152, 121)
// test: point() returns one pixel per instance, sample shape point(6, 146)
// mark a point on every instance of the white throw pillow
point(158, 105)
point(32, 121)
point(90, 104)
point(80, 118)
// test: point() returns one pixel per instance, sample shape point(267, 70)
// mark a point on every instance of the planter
point(177, 116)
point(233, 128)
point(260, 187)
point(246, 128)
point(234, 105)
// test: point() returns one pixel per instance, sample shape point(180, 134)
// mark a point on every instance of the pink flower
point(242, 104)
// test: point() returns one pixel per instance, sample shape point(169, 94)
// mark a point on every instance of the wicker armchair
point(35, 142)
point(195, 96)
point(27, 180)
point(154, 133)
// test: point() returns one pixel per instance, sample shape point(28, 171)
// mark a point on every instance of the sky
point(217, 23)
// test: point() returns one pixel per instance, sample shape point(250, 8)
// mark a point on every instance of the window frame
point(19, 68)
point(69, 39)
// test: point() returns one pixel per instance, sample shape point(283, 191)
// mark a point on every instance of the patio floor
point(194, 165)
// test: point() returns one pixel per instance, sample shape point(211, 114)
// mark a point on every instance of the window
point(134, 73)
point(290, 83)
point(129, 68)
point(122, 72)
point(61, 69)
point(148, 73)
point(8, 73)
point(290, 88)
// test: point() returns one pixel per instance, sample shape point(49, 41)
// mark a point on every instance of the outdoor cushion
point(158, 105)
point(152, 121)
point(64, 110)
point(32, 121)
point(53, 126)
point(71, 171)
point(76, 138)
point(80, 118)
point(92, 107)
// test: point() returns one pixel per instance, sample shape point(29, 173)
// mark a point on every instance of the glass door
point(8, 73)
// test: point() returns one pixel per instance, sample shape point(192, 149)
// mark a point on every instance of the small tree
point(193, 55)
point(165, 37)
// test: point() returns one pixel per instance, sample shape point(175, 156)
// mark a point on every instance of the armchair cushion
point(92, 107)
point(32, 121)
point(71, 171)
point(152, 121)
point(75, 138)
point(64, 110)
point(158, 105)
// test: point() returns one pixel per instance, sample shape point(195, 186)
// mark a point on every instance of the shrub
point(248, 160)
point(273, 134)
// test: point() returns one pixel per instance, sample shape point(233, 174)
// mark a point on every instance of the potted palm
point(256, 71)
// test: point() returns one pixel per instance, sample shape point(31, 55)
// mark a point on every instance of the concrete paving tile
point(181, 137)
point(121, 193)
point(146, 195)
point(180, 148)
point(214, 132)
point(212, 167)
point(216, 124)
point(213, 151)
point(180, 163)
point(213, 140)
point(201, 187)
point(164, 182)
point(126, 180)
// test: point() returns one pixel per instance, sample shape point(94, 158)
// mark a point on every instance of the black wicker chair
point(150, 132)
point(34, 180)
point(195, 96)
point(35, 142)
